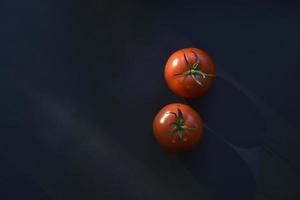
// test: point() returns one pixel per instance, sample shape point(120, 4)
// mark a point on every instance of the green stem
point(186, 73)
point(193, 70)
point(178, 126)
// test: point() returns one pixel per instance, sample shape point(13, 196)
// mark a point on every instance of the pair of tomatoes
point(189, 73)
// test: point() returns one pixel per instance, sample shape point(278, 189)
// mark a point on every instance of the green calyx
point(178, 126)
point(193, 70)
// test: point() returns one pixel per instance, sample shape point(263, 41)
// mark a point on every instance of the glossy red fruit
point(177, 128)
point(189, 72)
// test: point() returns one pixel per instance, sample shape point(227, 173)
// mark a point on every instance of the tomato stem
point(194, 70)
point(179, 126)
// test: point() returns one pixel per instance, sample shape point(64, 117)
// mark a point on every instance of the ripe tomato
point(177, 127)
point(189, 72)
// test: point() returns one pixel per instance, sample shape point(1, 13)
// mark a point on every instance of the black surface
point(82, 81)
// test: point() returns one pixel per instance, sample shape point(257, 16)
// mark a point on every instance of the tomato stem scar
point(193, 69)
point(179, 126)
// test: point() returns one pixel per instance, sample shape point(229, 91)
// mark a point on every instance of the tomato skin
point(185, 86)
point(161, 125)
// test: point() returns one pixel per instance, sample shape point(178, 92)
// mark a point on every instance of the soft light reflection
point(162, 120)
point(174, 63)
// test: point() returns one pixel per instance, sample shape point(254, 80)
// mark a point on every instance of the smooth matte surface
point(82, 81)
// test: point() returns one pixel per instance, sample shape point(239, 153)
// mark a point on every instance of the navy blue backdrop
point(81, 82)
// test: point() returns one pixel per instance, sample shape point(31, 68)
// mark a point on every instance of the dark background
point(81, 82)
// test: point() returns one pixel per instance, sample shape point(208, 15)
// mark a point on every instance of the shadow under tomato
point(231, 114)
point(217, 166)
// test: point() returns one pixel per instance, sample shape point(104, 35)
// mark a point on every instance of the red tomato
point(189, 72)
point(177, 127)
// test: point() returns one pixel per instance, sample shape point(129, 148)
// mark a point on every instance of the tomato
point(177, 127)
point(189, 72)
